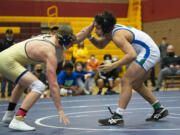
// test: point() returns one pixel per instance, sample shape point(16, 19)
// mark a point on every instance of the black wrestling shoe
point(114, 120)
point(158, 114)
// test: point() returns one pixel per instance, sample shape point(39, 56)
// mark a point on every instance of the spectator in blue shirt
point(68, 82)
point(85, 79)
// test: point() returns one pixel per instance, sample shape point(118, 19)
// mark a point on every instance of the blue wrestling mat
point(84, 112)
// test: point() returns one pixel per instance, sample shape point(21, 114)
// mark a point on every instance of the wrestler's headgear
point(107, 20)
point(65, 35)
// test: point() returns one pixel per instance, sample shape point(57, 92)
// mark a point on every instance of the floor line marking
point(95, 100)
point(38, 122)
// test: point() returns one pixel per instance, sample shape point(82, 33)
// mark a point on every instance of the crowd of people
point(86, 77)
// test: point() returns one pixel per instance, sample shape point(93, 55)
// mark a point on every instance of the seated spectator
point(39, 73)
point(85, 79)
point(108, 79)
point(92, 64)
point(170, 66)
point(68, 82)
point(80, 53)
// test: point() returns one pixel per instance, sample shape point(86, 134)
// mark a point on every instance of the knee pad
point(38, 87)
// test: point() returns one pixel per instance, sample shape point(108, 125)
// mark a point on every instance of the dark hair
point(81, 63)
point(107, 20)
point(164, 38)
point(9, 31)
point(107, 55)
point(68, 65)
point(54, 28)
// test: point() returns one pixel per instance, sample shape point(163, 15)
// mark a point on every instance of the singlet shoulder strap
point(43, 39)
point(121, 27)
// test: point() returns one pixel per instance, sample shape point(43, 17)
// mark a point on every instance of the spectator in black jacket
point(1, 45)
point(8, 42)
point(163, 49)
point(170, 66)
point(107, 79)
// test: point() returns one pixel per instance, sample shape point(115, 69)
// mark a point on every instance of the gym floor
point(84, 112)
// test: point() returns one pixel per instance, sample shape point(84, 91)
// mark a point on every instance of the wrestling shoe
point(8, 116)
point(158, 114)
point(114, 120)
point(18, 124)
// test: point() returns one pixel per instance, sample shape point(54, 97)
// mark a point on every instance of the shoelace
point(110, 110)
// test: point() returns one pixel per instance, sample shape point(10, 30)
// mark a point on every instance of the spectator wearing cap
point(53, 30)
point(6, 43)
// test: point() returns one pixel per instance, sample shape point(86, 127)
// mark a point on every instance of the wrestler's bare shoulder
point(39, 50)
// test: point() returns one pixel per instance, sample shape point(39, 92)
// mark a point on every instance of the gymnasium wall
point(152, 10)
point(66, 9)
point(166, 28)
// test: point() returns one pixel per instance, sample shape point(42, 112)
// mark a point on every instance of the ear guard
point(106, 26)
point(64, 40)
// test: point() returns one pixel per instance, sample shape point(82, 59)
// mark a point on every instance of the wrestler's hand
point(64, 118)
point(106, 67)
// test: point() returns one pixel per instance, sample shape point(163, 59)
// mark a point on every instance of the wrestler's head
point(65, 35)
point(104, 23)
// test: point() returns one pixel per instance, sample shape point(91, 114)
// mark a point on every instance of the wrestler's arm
point(99, 42)
point(51, 65)
point(121, 42)
point(84, 33)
